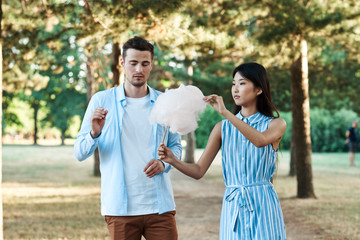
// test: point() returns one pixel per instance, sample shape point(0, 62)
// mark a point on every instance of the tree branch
point(94, 17)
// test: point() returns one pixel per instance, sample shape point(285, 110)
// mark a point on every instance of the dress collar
point(251, 119)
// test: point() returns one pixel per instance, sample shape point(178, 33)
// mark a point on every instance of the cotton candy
point(179, 109)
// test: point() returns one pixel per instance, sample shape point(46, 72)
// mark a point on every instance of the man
point(351, 139)
point(136, 194)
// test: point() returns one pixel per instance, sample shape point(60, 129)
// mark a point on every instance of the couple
point(136, 194)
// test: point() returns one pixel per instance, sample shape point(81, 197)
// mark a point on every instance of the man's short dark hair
point(138, 43)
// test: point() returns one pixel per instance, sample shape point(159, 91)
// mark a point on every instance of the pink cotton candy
point(179, 109)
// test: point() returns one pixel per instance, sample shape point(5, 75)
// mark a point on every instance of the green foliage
point(280, 82)
point(327, 129)
point(46, 44)
point(286, 139)
point(206, 123)
point(64, 95)
point(335, 77)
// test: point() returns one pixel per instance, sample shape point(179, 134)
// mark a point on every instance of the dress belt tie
point(244, 190)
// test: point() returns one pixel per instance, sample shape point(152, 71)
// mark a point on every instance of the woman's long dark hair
point(257, 74)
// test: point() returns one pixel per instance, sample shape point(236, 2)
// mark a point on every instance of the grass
point(336, 210)
point(47, 194)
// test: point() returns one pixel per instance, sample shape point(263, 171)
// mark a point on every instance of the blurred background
point(57, 53)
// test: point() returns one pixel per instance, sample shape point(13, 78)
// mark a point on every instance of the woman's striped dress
point(251, 207)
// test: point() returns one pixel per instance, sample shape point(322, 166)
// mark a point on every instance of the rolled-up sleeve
point(85, 145)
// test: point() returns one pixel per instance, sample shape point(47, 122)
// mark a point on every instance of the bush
point(327, 129)
point(286, 139)
point(206, 123)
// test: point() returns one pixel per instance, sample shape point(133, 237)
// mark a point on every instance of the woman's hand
point(165, 154)
point(216, 102)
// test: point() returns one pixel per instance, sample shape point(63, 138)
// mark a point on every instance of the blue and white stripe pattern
point(251, 207)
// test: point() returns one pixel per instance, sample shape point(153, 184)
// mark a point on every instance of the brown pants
point(152, 227)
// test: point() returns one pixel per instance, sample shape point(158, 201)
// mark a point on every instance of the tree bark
point(115, 66)
point(63, 138)
point(292, 171)
point(90, 86)
point(190, 137)
point(301, 140)
point(35, 106)
point(1, 208)
point(190, 148)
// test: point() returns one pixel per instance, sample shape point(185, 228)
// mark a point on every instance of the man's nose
point(139, 68)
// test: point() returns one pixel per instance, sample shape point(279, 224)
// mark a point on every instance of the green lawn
point(47, 194)
point(336, 211)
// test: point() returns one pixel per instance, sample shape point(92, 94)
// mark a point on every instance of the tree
point(25, 54)
point(1, 64)
point(286, 28)
point(64, 93)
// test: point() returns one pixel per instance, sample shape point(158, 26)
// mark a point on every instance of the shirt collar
point(120, 92)
point(251, 119)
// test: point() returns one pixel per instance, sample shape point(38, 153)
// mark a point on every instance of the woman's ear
point(259, 91)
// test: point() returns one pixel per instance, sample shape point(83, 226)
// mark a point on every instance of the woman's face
point(244, 91)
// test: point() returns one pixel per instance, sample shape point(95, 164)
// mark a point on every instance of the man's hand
point(97, 121)
point(154, 167)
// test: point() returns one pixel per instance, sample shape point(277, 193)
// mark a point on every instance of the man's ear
point(122, 61)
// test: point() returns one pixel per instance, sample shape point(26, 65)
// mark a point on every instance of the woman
point(249, 141)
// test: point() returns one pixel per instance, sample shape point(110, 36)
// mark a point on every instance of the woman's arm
point(272, 135)
point(196, 170)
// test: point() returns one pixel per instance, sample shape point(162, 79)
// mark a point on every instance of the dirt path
point(198, 205)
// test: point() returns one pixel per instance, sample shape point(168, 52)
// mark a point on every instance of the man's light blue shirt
point(113, 188)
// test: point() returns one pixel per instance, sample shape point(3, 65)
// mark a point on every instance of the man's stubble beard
point(137, 84)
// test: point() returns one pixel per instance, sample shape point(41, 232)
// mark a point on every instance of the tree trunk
point(292, 171)
point(301, 140)
point(1, 208)
point(90, 86)
point(190, 148)
point(35, 106)
point(115, 66)
point(97, 163)
point(90, 83)
point(190, 137)
point(62, 137)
